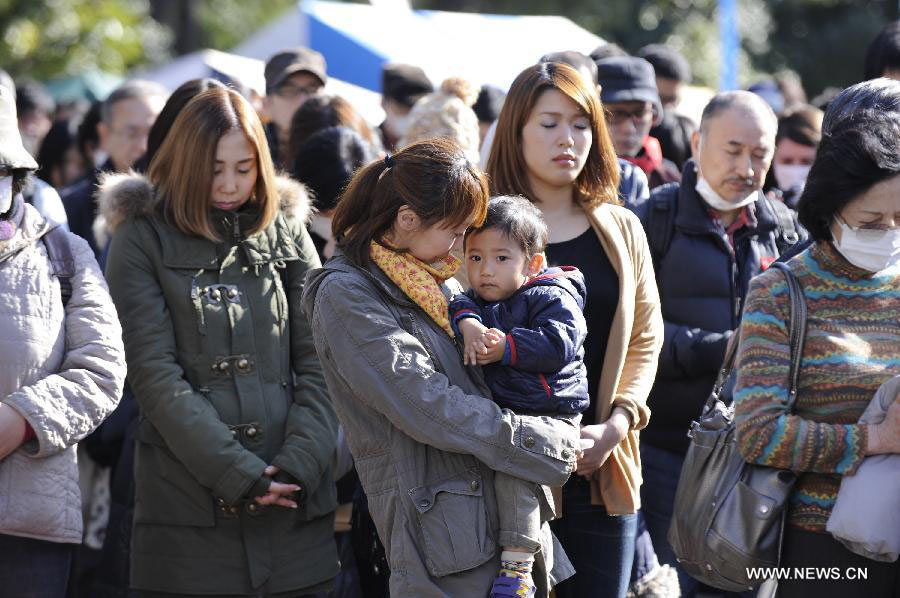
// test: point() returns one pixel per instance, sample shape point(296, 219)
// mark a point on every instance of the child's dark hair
point(433, 177)
point(519, 220)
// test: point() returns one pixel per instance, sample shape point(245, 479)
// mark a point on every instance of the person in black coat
point(708, 235)
point(125, 120)
point(673, 73)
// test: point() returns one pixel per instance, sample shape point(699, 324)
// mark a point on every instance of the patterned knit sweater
point(852, 347)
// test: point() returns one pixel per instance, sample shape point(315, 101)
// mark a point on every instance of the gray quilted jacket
point(62, 371)
point(425, 439)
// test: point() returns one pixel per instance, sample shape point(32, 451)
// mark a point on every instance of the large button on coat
point(223, 367)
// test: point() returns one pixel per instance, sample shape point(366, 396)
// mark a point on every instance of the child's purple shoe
point(511, 587)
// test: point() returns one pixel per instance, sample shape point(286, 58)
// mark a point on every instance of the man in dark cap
point(292, 76)
point(401, 86)
point(628, 91)
point(672, 74)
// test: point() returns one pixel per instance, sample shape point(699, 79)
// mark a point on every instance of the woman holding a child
point(552, 147)
point(425, 438)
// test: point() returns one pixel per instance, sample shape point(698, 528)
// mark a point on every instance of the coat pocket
point(165, 491)
point(453, 522)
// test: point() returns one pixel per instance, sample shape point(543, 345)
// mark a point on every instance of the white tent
point(249, 72)
point(357, 39)
point(209, 63)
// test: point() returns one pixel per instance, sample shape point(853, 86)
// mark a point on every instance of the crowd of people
point(456, 354)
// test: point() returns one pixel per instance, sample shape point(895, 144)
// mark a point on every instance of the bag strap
point(787, 230)
point(660, 226)
point(62, 259)
point(797, 336)
point(797, 330)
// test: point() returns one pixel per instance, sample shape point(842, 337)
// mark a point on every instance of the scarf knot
point(419, 281)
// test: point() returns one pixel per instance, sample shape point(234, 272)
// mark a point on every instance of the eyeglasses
point(640, 116)
point(289, 92)
point(866, 233)
point(131, 134)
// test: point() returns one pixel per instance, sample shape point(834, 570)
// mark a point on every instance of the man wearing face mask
point(799, 134)
point(708, 235)
point(401, 86)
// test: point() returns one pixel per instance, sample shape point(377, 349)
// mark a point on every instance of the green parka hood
point(127, 195)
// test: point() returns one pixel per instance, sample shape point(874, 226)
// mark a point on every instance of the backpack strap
point(786, 234)
point(62, 259)
point(661, 225)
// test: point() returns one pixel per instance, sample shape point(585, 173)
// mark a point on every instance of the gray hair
point(741, 100)
point(136, 88)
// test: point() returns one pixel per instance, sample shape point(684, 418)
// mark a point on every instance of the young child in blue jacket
point(525, 324)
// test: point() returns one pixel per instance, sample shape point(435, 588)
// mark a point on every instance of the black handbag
point(729, 514)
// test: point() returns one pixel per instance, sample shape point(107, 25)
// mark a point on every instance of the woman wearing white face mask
point(799, 134)
point(62, 367)
point(851, 279)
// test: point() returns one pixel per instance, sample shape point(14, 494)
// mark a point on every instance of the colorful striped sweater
point(852, 347)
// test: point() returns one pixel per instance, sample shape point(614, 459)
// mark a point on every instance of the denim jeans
point(661, 469)
point(600, 546)
point(33, 568)
point(644, 556)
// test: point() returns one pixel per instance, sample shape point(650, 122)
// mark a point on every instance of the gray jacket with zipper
point(425, 438)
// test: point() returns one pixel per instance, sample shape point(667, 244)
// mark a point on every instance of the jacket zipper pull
point(237, 228)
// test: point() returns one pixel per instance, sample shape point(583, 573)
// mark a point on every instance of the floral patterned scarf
point(419, 281)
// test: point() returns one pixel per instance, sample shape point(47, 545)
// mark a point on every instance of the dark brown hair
point(432, 177)
point(182, 169)
point(519, 220)
point(597, 182)
point(802, 125)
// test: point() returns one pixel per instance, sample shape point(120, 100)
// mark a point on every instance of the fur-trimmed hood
point(128, 195)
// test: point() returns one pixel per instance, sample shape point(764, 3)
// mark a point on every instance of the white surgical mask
point(716, 201)
point(870, 249)
point(6, 195)
point(791, 177)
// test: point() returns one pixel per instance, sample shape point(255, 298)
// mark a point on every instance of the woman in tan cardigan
point(552, 147)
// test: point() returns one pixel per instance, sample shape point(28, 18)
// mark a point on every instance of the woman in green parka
point(234, 489)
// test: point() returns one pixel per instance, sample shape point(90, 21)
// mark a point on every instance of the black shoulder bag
point(729, 515)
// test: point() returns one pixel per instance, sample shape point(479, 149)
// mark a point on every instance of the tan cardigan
point(629, 367)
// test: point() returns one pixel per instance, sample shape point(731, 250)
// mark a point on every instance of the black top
point(586, 253)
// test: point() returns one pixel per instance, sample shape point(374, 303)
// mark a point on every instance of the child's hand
point(494, 342)
point(472, 331)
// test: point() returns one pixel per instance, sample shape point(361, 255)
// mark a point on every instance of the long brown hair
point(432, 177)
point(597, 182)
point(182, 169)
